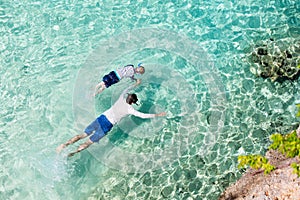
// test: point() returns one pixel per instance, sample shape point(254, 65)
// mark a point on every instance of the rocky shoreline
point(280, 184)
point(274, 60)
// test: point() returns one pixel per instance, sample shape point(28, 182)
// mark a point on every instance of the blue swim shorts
point(104, 123)
point(98, 134)
point(110, 79)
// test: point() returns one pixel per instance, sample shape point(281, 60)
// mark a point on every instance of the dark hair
point(131, 98)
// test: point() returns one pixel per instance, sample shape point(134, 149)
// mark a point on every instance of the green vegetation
point(288, 145)
point(298, 107)
point(296, 168)
point(255, 162)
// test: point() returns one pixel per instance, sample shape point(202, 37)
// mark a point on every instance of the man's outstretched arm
point(160, 114)
point(146, 115)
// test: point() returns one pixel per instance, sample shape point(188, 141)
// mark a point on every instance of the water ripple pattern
point(52, 53)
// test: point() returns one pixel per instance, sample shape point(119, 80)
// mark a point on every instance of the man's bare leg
point(71, 141)
point(81, 147)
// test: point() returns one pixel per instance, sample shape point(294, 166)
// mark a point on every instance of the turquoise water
point(195, 54)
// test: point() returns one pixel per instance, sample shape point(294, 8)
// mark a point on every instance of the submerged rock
point(275, 61)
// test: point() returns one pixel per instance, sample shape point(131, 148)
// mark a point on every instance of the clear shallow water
point(53, 53)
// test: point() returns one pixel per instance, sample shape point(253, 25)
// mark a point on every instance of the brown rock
point(280, 184)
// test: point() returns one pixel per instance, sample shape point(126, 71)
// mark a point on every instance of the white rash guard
point(121, 109)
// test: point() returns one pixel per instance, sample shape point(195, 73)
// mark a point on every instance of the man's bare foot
point(60, 147)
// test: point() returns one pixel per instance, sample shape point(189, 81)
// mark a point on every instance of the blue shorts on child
point(110, 79)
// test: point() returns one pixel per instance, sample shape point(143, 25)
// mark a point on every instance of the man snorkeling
point(104, 123)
